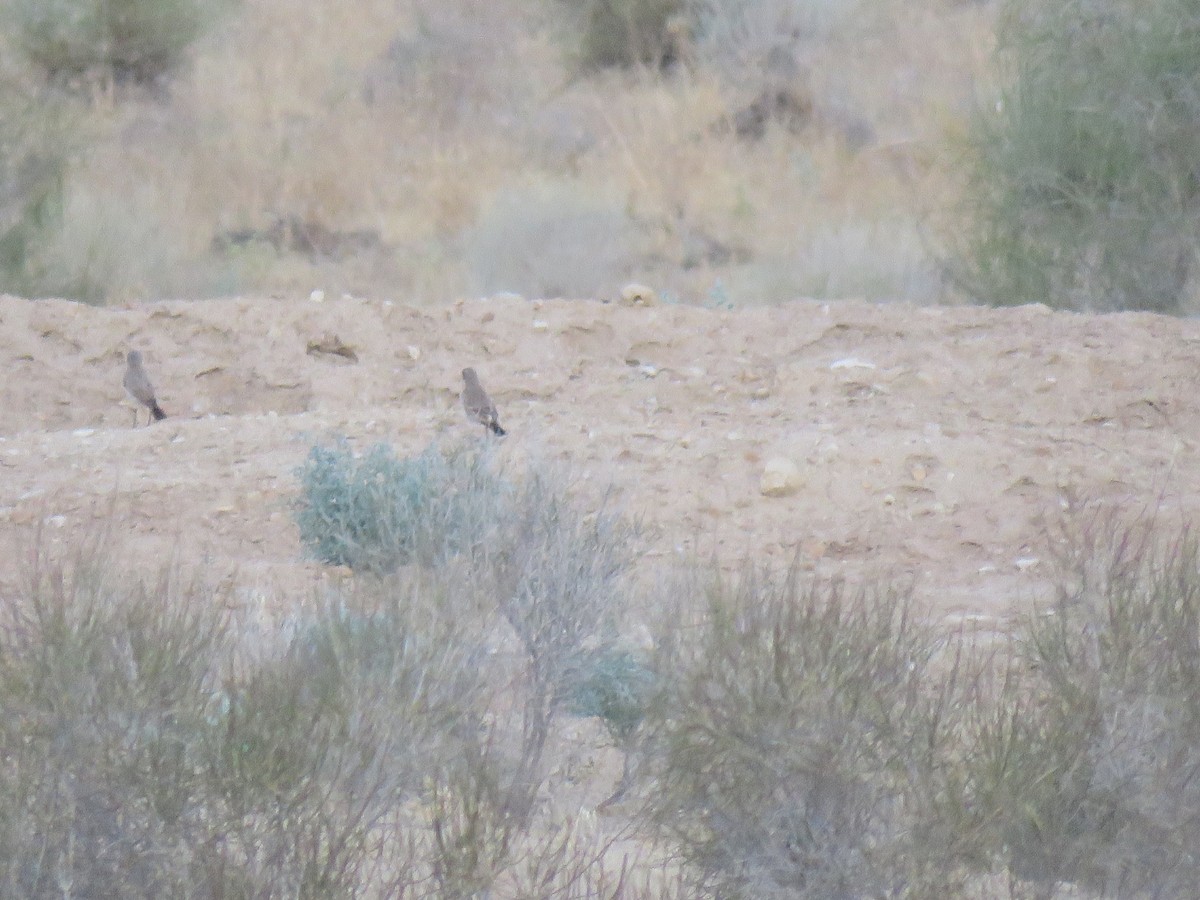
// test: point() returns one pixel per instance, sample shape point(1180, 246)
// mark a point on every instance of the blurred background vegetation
point(485, 700)
point(422, 150)
point(725, 151)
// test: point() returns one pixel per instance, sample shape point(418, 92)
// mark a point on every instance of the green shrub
point(799, 743)
point(323, 738)
point(152, 752)
point(127, 41)
point(555, 570)
point(615, 688)
point(625, 33)
point(1082, 190)
point(108, 692)
point(1087, 761)
point(379, 512)
point(35, 151)
point(618, 689)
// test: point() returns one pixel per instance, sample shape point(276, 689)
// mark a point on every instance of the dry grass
point(408, 120)
point(416, 735)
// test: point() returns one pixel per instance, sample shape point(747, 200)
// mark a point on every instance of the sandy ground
point(933, 442)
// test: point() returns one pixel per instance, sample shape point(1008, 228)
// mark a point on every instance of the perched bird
point(479, 405)
point(138, 387)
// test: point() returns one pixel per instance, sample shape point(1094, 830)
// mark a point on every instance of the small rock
point(638, 295)
point(851, 362)
point(331, 345)
point(780, 478)
point(317, 296)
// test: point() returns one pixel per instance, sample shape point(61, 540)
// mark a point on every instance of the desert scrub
point(152, 750)
point(1087, 762)
point(1081, 189)
point(798, 741)
point(75, 42)
point(556, 572)
point(326, 737)
point(108, 690)
point(615, 688)
point(35, 153)
point(377, 512)
point(626, 33)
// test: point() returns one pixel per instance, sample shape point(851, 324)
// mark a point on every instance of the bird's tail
point(496, 429)
point(156, 411)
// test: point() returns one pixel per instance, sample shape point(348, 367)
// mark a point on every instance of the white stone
point(851, 362)
point(780, 478)
point(638, 295)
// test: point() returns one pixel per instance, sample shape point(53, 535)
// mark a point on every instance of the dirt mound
point(929, 441)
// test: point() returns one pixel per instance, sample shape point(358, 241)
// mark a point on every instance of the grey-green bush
point(323, 739)
point(615, 687)
point(556, 571)
point(625, 33)
point(108, 691)
point(1082, 190)
point(152, 752)
point(799, 741)
point(127, 41)
point(34, 155)
point(387, 741)
point(1087, 763)
point(377, 512)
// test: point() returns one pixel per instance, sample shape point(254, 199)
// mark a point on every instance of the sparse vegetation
point(109, 692)
point(293, 116)
point(391, 740)
point(616, 687)
point(802, 742)
point(377, 512)
point(633, 32)
point(778, 734)
point(1086, 756)
point(554, 240)
point(1082, 192)
point(556, 574)
point(793, 737)
point(34, 156)
point(81, 43)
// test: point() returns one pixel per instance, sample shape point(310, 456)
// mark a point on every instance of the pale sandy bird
point(138, 387)
point(478, 404)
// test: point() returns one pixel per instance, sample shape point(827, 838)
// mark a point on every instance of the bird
point(479, 405)
point(138, 387)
